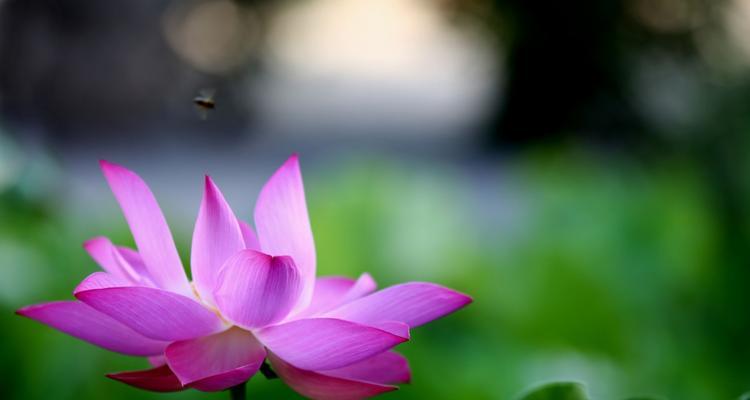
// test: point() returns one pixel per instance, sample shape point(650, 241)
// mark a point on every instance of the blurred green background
point(582, 170)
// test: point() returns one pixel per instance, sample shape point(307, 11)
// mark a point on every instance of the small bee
point(204, 102)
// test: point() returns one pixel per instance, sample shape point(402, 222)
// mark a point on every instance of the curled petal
point(319, 386)
point(149, 228)
point(413, 303)
point(255, 289)
point(218, 361)
point(154, 313)
point(283, 225)
point(216, 237)
point(385, 368)
point(85, 323)
point(158, 379)
point(325, 343)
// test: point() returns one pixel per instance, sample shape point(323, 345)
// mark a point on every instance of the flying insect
point(204, 102)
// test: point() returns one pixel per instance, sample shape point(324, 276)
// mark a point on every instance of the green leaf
point(558, 391)
point(745, 396)
point(645, 398)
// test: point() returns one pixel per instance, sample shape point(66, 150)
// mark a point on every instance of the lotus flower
point(252, 298)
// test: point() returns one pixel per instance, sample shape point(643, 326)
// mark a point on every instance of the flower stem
point(266, 370)
point(237, 392)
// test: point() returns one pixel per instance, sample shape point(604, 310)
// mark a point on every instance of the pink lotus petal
point(395, 327)
point(216, 237)
point(328, 291)
point(362, 287)
point(101, 280)
point(283, 225)
point(157, 361)
point(83, 322)
point(218, 361)
point(385, 368)
point(112, 260)
point(251, 240)
point(154, 313)
point(325, 343)
point(226, 380)
point(159, 379)
point(330, 338)
point(333, 291)
point(150, 230)
point(318, 386)
point(255, 289)
point(413, 303)
point(136, 262)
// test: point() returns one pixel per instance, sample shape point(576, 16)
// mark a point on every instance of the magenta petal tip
point(93, 241)
point(291, 162)
point(22, 311)
point(104, 164)
point(28, 310)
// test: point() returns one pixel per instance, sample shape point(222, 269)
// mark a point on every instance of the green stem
point(237, 392)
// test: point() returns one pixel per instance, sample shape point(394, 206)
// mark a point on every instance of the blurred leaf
point(745, 396)
point(558, 391)
point(645, 398)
